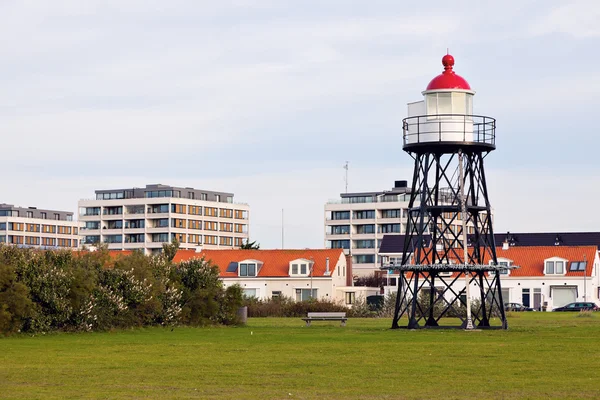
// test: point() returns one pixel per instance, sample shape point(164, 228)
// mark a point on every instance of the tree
point(248, 245)
point(169, 250)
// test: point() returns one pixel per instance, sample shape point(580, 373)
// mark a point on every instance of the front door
point(537, 299)
point(526, 301)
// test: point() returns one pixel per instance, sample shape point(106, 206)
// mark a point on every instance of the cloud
point(267, 99)
point(578, 18)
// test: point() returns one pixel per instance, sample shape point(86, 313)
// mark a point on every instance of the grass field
point(543, 355)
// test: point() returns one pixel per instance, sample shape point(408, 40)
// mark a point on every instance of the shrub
point(287, 307)
point(15, 304)
point(62, 290)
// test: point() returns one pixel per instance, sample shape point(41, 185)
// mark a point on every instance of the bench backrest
point(326, 315)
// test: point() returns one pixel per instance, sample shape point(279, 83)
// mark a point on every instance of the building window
point(294, 269)
point(339, 244)
point(158, 209)
point(276, 294)
point(247, 269)
point(337, 215)
point(303, 269)
point(217, 197)
point(365, 214)
point(305, 294)
point(29, 214)
point(365, 229)
point(364, 259)
point(391, 213)
point(339, 229)
point(364, 244)
point(389, 228)
point(249, 293)
point(91, 239)
point(350, 297)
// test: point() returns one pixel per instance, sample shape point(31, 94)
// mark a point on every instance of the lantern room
point(445, 115)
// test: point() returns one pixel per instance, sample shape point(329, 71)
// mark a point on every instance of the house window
point(43, 215)
point(350, 297)
point(303, 269)
point(578, 266)
point(555, 267)
point(294, 269)
point(247, 269)
point(249, 293)
point(305, 294)
point(29, 214)
point(276, 294)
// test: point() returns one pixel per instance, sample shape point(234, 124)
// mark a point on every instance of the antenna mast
point(346, 179)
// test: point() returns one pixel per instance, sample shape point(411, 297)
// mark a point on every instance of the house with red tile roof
point(298, 274)
point(542, 277)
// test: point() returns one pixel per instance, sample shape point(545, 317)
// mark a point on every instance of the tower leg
point(399, 297)
point(431, 320)
point(412, 318)
point(485, 322)
point(501, 301)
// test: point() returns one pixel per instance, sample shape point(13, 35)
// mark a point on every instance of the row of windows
point(29, 214)
point(38, 241)
point(367, 214)
point(164, 222)
point(164, 237)
point(21, 227)
point(164, 209)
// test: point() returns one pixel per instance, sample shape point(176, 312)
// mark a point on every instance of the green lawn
point(543, 355)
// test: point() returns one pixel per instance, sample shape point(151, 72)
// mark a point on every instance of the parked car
point(516, 307)
point(587, 306)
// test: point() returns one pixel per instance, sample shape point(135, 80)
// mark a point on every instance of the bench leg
point(344, 323)
point(307, 323)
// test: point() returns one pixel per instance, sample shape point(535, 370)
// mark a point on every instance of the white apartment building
point(145, 218)
point(39, 228)
point(358, 222)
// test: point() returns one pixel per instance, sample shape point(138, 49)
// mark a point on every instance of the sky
point(268, 99)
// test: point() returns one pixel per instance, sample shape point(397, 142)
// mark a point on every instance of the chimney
point(505, 245)
point(327, 271)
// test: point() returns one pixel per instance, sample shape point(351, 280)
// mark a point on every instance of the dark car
point(516, 307)
point(578, 307)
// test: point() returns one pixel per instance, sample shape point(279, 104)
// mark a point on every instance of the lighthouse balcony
point(449, 131)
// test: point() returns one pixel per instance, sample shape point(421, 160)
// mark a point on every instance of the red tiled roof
point(275, 262)
point(531, 259)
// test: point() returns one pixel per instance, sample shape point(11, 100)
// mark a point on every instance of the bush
point(60, 290)
point(287, 307)
point(15, 304)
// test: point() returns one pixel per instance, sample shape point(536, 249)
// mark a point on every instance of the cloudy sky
point(267, 99)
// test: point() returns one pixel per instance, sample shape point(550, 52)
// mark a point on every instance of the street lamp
point(584, 277)
point(312, 263)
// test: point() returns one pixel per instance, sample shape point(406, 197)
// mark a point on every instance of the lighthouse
point(449, 254)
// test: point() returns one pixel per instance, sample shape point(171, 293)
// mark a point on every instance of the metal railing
point(449, 125)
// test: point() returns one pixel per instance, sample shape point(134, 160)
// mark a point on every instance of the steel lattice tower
point(449, 240)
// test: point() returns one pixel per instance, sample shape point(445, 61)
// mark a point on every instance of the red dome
point(448, 79)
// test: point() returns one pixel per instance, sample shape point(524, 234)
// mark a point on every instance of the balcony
point(425, 131)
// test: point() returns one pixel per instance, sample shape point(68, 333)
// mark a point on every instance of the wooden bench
point(325, 316)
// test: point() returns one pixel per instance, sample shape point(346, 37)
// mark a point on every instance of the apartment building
point(145, 218)
point(357, 223)
point(39, 228)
